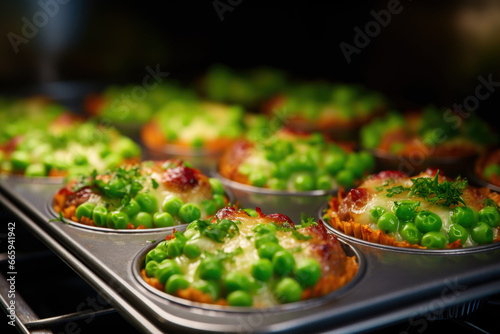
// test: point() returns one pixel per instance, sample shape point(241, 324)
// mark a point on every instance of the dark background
point(431, 52)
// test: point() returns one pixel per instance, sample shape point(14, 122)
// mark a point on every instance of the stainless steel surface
point(395, 286)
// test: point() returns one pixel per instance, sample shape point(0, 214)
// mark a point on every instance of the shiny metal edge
point(458, 251)
point(350, 250)
point(52, 212)
point(267, 191)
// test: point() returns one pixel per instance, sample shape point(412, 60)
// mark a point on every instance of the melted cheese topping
point(263, 297)
point(195, 194)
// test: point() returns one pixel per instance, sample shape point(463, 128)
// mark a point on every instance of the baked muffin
point(193, 126)
point(430, 137)
point(293, 161)
point(427, 211)
point(247, 258)
point(336, 108)
point(249, 87)
point(128, 106)
point(41, 139)
point(151, 194)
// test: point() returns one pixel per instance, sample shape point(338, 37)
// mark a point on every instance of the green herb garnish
point(396, 191)
point(445, 193)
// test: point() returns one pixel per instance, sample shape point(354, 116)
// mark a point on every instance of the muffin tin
point(392, 284)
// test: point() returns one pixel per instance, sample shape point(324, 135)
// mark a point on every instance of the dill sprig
point(445, 193)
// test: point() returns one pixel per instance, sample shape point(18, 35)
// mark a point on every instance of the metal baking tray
point(394, 285)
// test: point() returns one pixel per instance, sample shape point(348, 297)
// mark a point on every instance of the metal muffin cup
point(52, 212)
point(290, 203)
point(352, 239)
point(138, 265)
point(35, 179)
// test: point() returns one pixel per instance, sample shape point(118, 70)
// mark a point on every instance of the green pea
point(142, 218)
point(308, 272)
point(34, 170)
point(262, 269)
point(427, 221)
point(388, 223)
point(283, 263)
point(304, 162)
point(156, 255)
point(85, 210)
point(411, 234)
point(20, 160)
point(162, 245)
point(209, 287)
point(176, 282)
point(268, 249)
point(209, 207)
point(239, 298)
point(458, 232)
point(118, 220)
point(288, 290)
point(131, 208)
point(127, 148)
point(216, 185)
point(257, 178)
point(172, 205)
point(367, 160)
point(219, 201)
point(355, 165)
point(191, 249)
point(261, 239)
point(264, 228)
point(115, 188)
point(324, 182)
point(304, 182)
point(189, 212)
point(405, 212)
point(151, 268)
point(490, 216)
point(434, 240)
point(376, 212)
point(237, 281)
point(210, 268)
point(163, 219)
point(147, 202)
point(100, 215)
point(345, 178)
point(80, 160)
point(278, 184)
point(175, 248)
point(281, 170)
point(482, 233)
point(166, 269)
point(251, 212)
point(463, 216)
point(335, 162)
